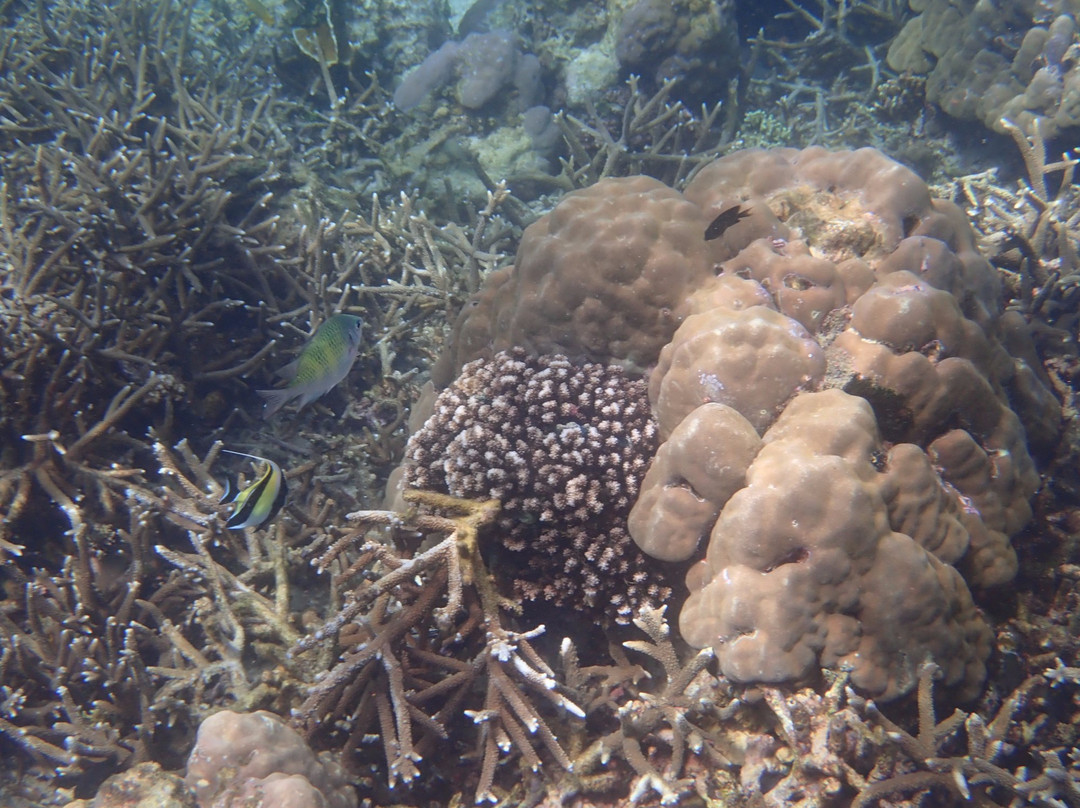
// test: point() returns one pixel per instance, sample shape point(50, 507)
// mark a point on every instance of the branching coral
point(130, 220)
point(410, 664)
point(655, 136)
point(674, 711)
point(979, 774)
point(1031, 231)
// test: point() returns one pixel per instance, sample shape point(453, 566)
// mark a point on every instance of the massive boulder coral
point(991, 61)
point(693, 42)
point(604, 277)
point(256, 760)
point(842, 425)
point(804, 568)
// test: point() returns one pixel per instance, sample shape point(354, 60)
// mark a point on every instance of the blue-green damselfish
point(324, 362)
point(260, 501)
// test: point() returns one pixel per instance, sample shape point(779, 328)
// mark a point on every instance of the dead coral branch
point(394, 677)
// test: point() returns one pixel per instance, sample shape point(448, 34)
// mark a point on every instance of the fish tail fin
point(275, 399)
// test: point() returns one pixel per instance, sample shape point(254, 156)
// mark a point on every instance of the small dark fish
point(725, 220)
point(260, 501)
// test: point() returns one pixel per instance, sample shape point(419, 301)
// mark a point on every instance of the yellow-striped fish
point(260, 501)
point(324, 362)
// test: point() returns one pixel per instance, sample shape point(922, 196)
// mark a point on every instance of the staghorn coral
point(107, 661)
point(405, 661)
point(132, 217)
point(1029, 231)
point(818, 69)
point(645, 134)
point(982, 773)
point(563, 448)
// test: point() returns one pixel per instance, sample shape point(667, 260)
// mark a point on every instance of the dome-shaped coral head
point(605, 276)
point(563, 447)
point(843, 205)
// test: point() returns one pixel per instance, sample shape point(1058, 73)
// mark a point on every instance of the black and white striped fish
point(260, 501)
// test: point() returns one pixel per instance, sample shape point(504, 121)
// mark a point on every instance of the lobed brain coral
point(846, 441)
point(992, 61)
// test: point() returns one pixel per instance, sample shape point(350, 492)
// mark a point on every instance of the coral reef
point(188, 190)
point(843, 274)
point(563, 448)
point(1013, 64)
point(144, 212)
point(807, 566)
point(914, 338)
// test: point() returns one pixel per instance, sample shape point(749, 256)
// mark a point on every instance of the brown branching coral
point(655, 136)
point(1031, 230)
point(112, 658)
point(982, 773)
point(143, 266)
point(130, 221)
point(392, 674)
point(675, 711)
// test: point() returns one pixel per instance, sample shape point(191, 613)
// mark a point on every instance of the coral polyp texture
point(846, 439)
point(563, 447)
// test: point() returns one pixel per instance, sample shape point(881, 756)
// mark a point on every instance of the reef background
point(188, 188)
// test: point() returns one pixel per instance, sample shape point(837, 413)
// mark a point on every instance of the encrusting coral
point(844, 276)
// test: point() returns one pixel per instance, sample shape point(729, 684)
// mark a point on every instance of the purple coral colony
point(687, 403)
